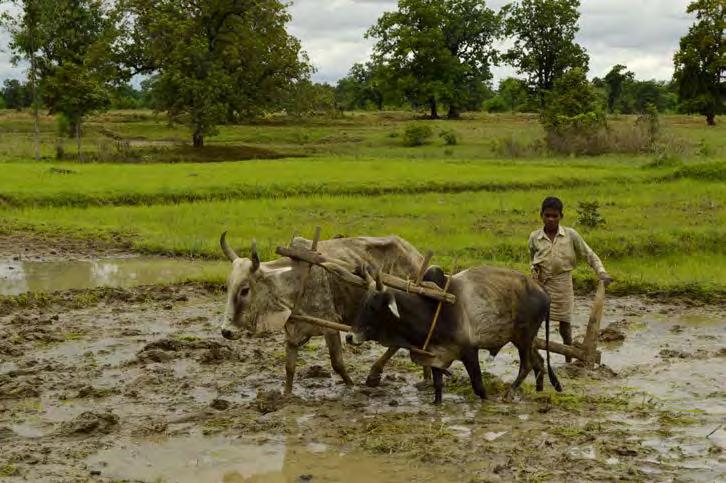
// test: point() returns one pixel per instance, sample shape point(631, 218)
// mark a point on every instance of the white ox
point(261, 296)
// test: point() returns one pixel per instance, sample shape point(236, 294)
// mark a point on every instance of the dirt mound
point(269, 401)
point(201, 350)
point(19, 387)
point(90, 422)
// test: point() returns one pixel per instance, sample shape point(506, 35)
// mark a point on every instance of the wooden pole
point(589, 343)
point(575, 351)
point(436, 316)
point(334, 266)
point(343, 328)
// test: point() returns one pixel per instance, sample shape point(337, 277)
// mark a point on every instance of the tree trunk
point(453, 113)
point(711, 119)
point(36, 116)
point(198, 139)
point(78, 139)
point(434, 110)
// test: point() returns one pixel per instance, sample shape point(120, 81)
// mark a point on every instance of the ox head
point(253, 301)
point(377, 314)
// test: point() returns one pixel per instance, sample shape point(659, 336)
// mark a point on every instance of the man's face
point(551, 218)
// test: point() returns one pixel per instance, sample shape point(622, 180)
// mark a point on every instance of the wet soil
point(23, 246)
point(142, 388)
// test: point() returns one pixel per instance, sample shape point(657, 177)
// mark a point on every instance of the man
point(555, 251)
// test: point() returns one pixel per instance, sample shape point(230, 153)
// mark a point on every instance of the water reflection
point(18, 277)
point(220, 459)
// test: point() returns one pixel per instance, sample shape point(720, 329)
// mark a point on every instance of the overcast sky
point(642, 34)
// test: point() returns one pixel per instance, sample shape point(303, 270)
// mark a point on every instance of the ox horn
point(364, 269)
point(379, 284)
point(231, 255)
point(254, 257)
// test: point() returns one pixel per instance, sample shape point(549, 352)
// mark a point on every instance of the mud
point(143, 388)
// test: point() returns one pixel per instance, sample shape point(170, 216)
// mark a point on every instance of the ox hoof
point(373, 380)
point(509, 396)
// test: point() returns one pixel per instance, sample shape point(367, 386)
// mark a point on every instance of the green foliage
point(16, 95)
point(573, 119)
point(236, 59)
point(700, 63)
point(615, 81)
point(588, 214)
point(366, 85)
point(438, 52)
point(544, 46)
point(416, 135)
point(72, 44)
point(705, 171)
point(450, 137)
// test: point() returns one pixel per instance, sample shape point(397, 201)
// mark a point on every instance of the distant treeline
point(210, 62)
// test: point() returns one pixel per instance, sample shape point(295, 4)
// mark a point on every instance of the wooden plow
point(585, 351)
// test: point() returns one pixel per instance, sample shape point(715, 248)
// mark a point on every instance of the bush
point(450, 137)
point(705, 172)
point(579, 134)
point(509, 147)
point(588, 214)
point(664, 160)
point(417, 135)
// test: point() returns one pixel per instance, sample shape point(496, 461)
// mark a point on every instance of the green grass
point(471, 205)
point(65, 184)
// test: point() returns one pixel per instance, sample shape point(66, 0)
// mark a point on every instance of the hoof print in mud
point(90, 422)
point(269, 401)
point(316, 372)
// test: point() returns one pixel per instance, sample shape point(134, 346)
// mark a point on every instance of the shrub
point(417, 135)
point(588, 214)
point(705, 172)
point(509, 147)
point(450, 137)
point(664, 160)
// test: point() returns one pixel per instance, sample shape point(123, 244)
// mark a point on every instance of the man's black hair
point(552, 202)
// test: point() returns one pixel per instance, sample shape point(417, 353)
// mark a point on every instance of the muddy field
point(138, 385)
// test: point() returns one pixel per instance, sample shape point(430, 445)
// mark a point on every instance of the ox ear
point(254, 257)
point(393, 306)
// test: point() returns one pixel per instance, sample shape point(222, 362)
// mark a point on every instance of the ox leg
point(525, 366)
point(538, 364)
point(438, 375)
point(374, 375)
point(335, 349)
point(427, 374)
point(470, 358)
point(290, 363)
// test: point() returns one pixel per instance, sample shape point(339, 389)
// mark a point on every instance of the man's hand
point(606, 279)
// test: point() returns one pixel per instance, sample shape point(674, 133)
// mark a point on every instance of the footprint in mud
point(204, 351)
point(90, 422)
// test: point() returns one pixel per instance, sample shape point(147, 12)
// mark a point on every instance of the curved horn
point(231, 255)
point(254, 257)
point(364, 269)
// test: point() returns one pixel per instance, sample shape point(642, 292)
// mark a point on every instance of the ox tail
point(550, 372)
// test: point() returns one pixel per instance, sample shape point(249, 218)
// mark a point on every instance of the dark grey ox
point(494, 306)
point(261, 296)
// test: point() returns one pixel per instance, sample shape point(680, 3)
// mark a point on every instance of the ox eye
point(244, 291)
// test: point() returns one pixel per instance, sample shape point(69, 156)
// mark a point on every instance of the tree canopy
point(700, 63)
point(438, 51)
point(236, 58)
point(71, 43)
point(544, 41)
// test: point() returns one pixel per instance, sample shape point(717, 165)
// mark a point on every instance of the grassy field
point(471, 203)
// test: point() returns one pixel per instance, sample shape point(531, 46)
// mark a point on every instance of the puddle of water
point(17, 277)
point(200, 459)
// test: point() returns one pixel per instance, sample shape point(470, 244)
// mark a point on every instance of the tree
point(573, 118)
point(615, 81)
point(700, 63)
point(71, 43)
point(214, 61)
point(17, 95)
point(365, 84)
point(438, 51)
point(544, 41)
